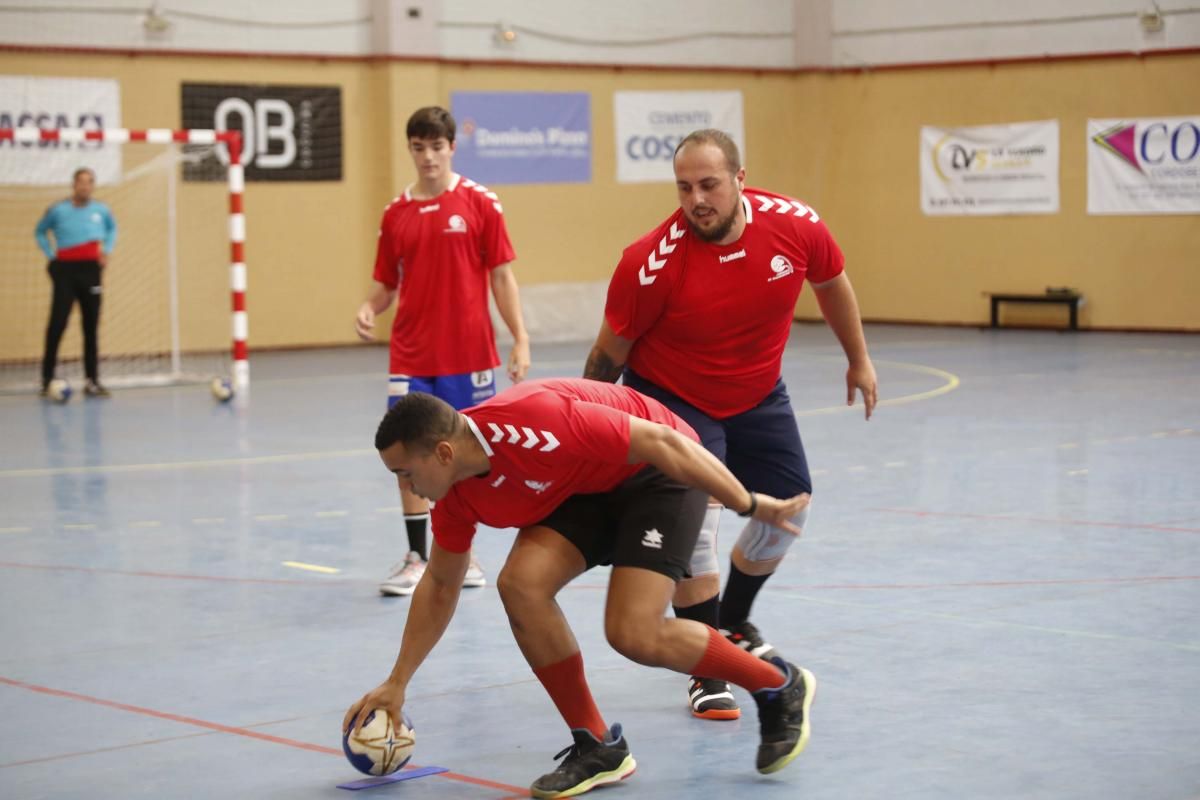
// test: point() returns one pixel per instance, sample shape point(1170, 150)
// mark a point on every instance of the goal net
point(165, 309)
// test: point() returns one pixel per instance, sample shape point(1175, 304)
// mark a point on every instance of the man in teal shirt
point(84, 233)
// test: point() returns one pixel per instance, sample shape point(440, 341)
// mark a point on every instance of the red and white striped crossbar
point(237, 220)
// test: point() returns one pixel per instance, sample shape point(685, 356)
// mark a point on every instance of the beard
point(718, 231)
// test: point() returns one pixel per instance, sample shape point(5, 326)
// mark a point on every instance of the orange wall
point(845, 142)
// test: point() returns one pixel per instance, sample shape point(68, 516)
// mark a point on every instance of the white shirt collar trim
point(487, 448)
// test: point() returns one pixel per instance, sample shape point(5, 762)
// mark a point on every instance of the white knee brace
point(762, 542)
point(704, 557)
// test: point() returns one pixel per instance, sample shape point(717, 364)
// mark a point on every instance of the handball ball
point(59, 390)
point(376, 747)
point(222, 389)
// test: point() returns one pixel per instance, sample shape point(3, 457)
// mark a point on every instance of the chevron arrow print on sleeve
point(657, 259)
point(781, 206)
point(532, 438)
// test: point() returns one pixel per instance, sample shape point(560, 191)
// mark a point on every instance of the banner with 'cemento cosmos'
point(651, 124)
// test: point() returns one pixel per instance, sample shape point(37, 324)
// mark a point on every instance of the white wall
point(298, 26)
point(873, 32)
point(753, 33)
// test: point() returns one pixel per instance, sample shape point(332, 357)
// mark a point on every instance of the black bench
point(1071, 299)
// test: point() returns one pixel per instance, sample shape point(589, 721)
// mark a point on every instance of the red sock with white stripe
point(568, 688)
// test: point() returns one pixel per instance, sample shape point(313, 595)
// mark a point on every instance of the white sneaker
point(474, 576)
point(405, 576)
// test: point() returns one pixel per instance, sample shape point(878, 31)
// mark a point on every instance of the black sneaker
point(783, 724)
point(94, 389)
point(589, 763)
point(712, 698)
point(747, 637)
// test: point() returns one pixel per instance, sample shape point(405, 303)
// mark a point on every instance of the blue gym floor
point(998, 590)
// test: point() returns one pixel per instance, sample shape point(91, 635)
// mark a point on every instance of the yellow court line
point(311, 567)
point(170, 465)
point(952, 382)
point(17, 529)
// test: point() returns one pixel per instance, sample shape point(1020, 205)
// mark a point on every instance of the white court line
point(290, 458)
point(16, 529)
point(145, 523)
point(311, 567)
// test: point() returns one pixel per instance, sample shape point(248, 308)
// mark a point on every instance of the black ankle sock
point(706, 611)
point(416, 525)
point(740, 591)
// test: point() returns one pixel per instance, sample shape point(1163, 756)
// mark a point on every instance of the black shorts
point(649, 521)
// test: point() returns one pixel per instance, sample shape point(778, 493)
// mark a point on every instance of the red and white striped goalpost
point(237, 220)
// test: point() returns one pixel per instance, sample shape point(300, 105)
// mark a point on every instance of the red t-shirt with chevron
point(438, 253)
point(546, 440)
point(710, 322)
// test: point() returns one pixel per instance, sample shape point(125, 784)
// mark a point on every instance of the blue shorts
point(461, 391)
point(761, 446)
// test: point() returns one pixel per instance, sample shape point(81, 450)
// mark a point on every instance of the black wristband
point(749, 512)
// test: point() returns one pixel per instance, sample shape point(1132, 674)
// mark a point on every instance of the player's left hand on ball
point(386, 697)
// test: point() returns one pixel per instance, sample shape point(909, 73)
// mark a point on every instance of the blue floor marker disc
point(383, 780)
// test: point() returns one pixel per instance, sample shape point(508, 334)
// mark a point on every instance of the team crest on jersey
point(456, 224)
point(781, 268)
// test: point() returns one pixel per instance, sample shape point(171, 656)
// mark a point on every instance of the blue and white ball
point(222, 389)
point(59, 390)
point(376, 747)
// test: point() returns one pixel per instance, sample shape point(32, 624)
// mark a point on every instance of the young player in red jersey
point(441, 244)
point(591, 473)
point(698, 316)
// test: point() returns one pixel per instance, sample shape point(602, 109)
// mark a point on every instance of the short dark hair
point(431, 122)
point(418, 421)
point(75, 175)
point(721, 139)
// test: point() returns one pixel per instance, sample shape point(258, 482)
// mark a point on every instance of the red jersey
point(546, 440)
point(438, 253)
point(710, 322)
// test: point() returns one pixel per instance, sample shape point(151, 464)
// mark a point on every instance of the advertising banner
point(289, 133)
point(1144, 166)
point(523, 137)
point(990, 169)
point(51, 103)
point(651, 124)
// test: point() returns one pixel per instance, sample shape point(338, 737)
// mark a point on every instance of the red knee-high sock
point(727, 661)
point(568, 688)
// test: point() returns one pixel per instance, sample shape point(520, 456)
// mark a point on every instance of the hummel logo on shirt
point(496, 483)
point(652, 539)
point(733, 256)
point(427, 209)
point(539, 486)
